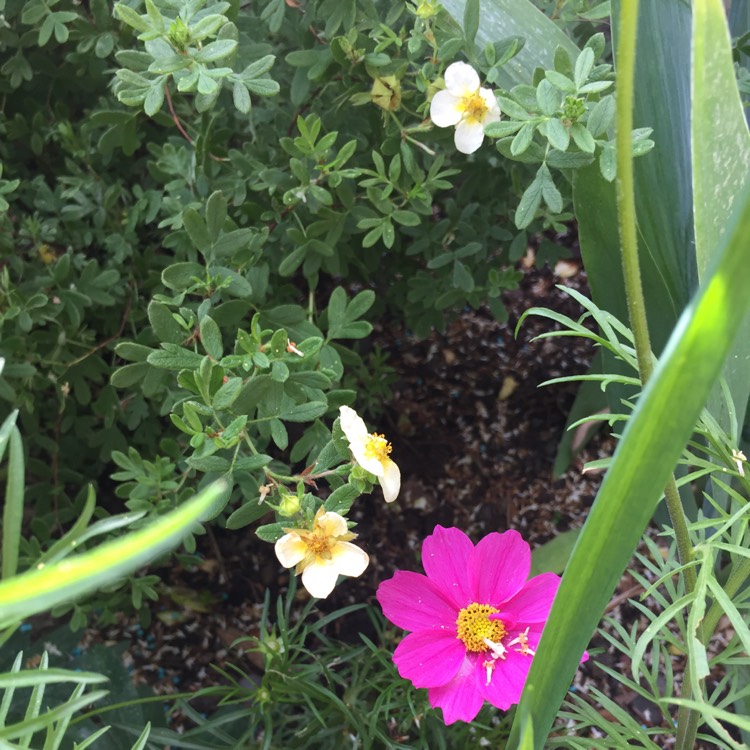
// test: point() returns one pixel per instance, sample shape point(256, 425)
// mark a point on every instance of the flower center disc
point(377, 447)
point(474, 626)
point(475, 107)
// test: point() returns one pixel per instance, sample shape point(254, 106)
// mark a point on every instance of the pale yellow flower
point(465, 104)
point(322, 554)
point(372, 452)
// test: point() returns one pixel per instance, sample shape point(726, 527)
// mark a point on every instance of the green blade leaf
point(13, 508)
point(40, 590)
point(662, 102)
point(652, 442)
point(721, 154)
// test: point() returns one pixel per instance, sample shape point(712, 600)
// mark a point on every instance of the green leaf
point(216, 214)
point(227, 394)
point(129, 375)
point(174, 357)
point(499, 19)
point(660, 426)
point(165, 326)
point(209, 463)
point(304, 412)
point(662, 101)
point(721, 155)
point(247, 514)
point(471, 21)
point(548, 98)
point(601, 116)
point(218, 50)
point(196, 229)
point(40, 590)
point(558, 135)
point(127, 15)
point(180, 276)
point(529, 203)
point(13, 506)
point(154, 99)
point(522, 139)
point(241, 97)
point(583, 67)
point(211, 338)
point(341, 499)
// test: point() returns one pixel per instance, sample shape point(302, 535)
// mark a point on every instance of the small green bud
point(179, 34)
point(288, 505)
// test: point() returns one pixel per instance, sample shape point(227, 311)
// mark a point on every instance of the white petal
point(390, 481)
point(319, 578)
point(349, 559)
point(469, 136)
point(332, 524)
point(290, 549)
point(493, 108)
point(461, 79)
point(444, 110)
point(352, 425)
point(369, 463)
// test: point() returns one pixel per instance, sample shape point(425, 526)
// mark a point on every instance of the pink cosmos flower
point(475, 617)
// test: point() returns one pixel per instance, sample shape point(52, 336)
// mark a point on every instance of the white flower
point(323, 553)
point(371, 452)
point(466, 105)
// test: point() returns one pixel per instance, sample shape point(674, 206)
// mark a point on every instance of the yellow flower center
point(474, 625)
point(474, 107)
point(377, 447)
point(318, 543)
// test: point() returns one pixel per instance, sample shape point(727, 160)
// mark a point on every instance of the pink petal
point(412, 602)
point(460, 699)
point(507, 679)
point(500, 567)
point(447, 560)
point(534, 601)
point(429, 659)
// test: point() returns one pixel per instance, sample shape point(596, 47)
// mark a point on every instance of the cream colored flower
point(322, 554)
point(371, 452)
point(466, 105)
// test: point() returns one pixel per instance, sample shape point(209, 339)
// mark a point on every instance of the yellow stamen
point(475, 628)
point(377, 447)
point(474, 107)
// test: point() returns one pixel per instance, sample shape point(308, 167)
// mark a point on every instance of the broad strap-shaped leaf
point(653, 440)
point(721, 169)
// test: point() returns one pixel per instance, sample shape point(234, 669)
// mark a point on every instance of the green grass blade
point(500, 19)
point(13, 508)
point(39, 590)
point(652, 442)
